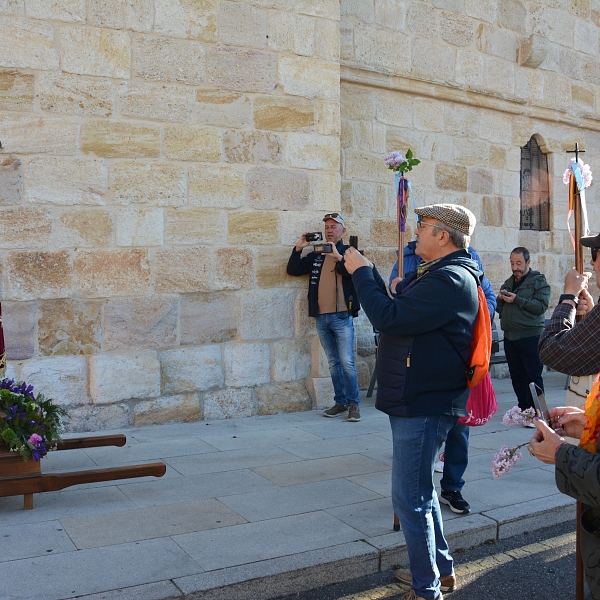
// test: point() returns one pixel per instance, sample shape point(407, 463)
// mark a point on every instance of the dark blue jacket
point(412, 261)
point(418, 371)
point(313, 263)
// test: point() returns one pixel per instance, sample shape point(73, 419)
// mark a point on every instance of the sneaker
point(412, 595)
point(335, 410)
point(354, 412)
point(456, 502)
point(447, 584)
point(530, 425)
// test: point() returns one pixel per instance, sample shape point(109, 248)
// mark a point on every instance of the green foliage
point(30, 425)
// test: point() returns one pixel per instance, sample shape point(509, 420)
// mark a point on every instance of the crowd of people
point(425, 321)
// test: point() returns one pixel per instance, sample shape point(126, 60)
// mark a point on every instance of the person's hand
point(394, 283)
point(302, 243)
point(586, 303)
point(334, 252)
point(544, 442)
point(353, 260)
point(507, 296)
point(568, 420)
point(575, 282)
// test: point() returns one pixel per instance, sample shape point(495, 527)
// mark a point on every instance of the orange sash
point(589, 437)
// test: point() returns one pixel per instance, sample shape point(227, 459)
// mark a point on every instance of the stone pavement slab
point(148, 523)
point(319, 469)
point(297, 499)
point(252, 542)
point(72, 574)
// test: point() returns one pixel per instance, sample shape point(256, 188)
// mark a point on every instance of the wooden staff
point(574, 194)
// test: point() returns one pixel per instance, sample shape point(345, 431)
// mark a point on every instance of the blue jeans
point(417, 442)
point(525, 366)
point(336, 332)
point(456, 458)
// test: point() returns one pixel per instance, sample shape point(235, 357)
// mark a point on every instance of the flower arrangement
point(508, 457)
point(585, 170)
point(29, 424)
point(399, 163)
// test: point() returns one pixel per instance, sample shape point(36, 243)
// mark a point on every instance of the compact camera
point(325, 248)
point(315, 236)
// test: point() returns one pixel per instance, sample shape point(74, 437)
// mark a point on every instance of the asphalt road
point(535, 566)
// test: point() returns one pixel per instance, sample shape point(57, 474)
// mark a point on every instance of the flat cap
point(453, 215)
point(590, 241)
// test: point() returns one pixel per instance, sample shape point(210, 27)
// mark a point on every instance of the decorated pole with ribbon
point(400, 164)
point(578, 176)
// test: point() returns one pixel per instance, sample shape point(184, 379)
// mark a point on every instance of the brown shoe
point(447, 584)
point(335, 410)
point(354, 412)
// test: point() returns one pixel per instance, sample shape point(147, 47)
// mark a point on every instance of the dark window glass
point(535, 188)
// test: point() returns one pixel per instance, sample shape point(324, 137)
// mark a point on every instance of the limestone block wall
point(454, 80)
point(159, 159)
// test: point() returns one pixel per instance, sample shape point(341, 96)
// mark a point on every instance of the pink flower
point(516, 416)
point(35, 439)
point(394, 159)
point(504, 460)
point(585, 170)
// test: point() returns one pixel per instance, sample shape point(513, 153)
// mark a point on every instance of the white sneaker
point(530, 425)
point(439, 466)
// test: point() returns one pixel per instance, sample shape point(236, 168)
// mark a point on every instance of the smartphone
point(504, 292)
point(539, 401)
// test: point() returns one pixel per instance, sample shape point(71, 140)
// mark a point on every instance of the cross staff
point(574, 196)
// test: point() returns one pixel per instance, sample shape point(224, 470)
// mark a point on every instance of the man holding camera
point(333, 302)
point(522, 304)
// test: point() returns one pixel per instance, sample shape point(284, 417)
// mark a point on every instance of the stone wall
point(159, 159)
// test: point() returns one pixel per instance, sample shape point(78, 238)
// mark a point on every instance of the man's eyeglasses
point(331, 216)
point(594, 253)
point(421, 224)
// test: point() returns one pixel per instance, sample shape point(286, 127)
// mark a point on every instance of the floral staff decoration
point(29, 424)
point(401, 164)
point(578, 176)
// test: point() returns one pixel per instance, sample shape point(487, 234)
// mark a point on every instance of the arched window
point(535, 188)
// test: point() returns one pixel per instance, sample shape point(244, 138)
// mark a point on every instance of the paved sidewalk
point(253, 508)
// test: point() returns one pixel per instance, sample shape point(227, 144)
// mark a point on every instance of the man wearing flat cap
point(426, 332)
point(334, 303)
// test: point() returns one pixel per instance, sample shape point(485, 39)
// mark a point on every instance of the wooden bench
point(19, 477)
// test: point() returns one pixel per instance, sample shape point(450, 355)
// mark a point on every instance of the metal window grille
point(535, 188)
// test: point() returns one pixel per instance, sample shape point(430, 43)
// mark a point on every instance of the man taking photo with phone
point(332, 300)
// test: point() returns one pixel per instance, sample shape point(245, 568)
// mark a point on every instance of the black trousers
point(525, 366)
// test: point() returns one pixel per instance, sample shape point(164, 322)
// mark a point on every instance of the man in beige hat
point(426, 333)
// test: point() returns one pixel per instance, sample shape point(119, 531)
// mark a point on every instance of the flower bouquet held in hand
point(29, 424)
point(400, 164)
point(508, 457)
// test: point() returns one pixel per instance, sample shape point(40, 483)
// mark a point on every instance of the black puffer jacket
point(418, 371)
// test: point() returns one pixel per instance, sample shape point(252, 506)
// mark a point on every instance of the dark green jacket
point(525, 316)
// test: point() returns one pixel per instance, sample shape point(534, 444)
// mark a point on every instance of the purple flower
point(394, 159)
point(516, 416)
point(35, 439)
point(504, 460)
